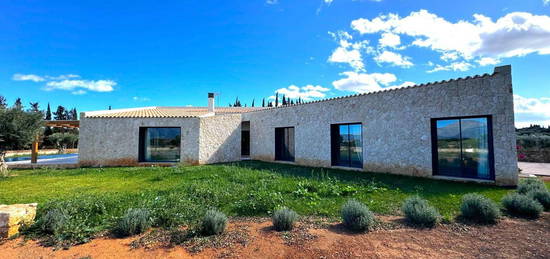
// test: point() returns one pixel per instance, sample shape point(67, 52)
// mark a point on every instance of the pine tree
point(18, 105)
point(48, 113)
point(60, 114)
point(74, 115)
point(263, 102)
point(34, 107)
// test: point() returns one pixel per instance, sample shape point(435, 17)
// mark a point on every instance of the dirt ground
point(511, 238)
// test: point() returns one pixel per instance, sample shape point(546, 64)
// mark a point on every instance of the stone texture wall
point(396, 130)
point(115, 141)
point(220, 139)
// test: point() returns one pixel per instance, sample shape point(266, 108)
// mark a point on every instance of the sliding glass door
point(462, 147)
point(346, 145)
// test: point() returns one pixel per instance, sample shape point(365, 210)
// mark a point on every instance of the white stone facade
point(396, 129)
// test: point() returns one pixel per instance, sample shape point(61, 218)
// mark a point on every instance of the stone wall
point(220, 138)
point(396, 131)
point(115, 141)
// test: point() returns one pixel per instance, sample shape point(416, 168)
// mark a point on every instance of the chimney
point(211, 102)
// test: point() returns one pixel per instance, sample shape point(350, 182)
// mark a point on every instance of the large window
point(462, 147)
point(159, 144)
point(284, 144)
point(346, 145)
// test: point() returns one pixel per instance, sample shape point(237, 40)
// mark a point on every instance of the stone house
point(459, 129)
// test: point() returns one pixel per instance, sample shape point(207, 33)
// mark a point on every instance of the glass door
point(462, 147)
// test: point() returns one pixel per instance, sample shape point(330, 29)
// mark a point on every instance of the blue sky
point(95, 54)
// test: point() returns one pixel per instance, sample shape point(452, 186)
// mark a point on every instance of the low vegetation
point(418, 212)
point(479, 209)
point(530, 184)
point(356, 216)
point(542, 197)
point(522, 206)
point(135, 221)
point(283, 219)
point(213, 223)
point(91, 200)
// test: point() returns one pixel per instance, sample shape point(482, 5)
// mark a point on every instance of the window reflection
point(160, 144)
point(347, 148)
point(463, 147)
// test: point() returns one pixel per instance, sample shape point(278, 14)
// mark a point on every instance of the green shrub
point(283, 219)
point(419, 213)
point(356, 216)
point(477, 208)
point(135, 221)
point(530, 184)
point(543, 197)
point(53, 221)
point(522, 206)
point(261, 202)
point(213, 223)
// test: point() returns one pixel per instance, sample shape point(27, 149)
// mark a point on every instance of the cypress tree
point(48, 113)
point(263, 102)
point(252, 103)
point(276, 99)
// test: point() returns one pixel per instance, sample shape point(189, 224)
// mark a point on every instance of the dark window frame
point(279, 155)
point(335, 144)
point(141, 145)
point(491, 155)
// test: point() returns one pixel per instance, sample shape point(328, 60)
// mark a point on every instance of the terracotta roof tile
point(167, 112)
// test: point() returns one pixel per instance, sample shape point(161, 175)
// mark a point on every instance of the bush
point(543, 197)
point(357, 216)
point(213, 223)
point(134, 222)
point(522, 206)
point(530, 184)
point(478, 208)
point(53, 221)
point(419, 213)
point(283, 219)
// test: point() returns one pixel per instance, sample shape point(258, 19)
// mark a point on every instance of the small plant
point(283, 219)
point(543, 197)
point(530, 184)
point(357, 216)
point(213, 223)
point(419, 213)
point(53, 221)
point(478, 208)
point(135, 221)
point(522, 206)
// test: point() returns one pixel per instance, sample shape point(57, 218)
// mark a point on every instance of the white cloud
point(363, 82)
point(306, 93)
point(29, 77)
point(272, 1)
point(69, 83)
point(455, 66)
point(515, 34)
point(92, 85)
point(348, 52)
point(389, 39)
point(393, 58)
point(487, 61)
point(140, 99)
point(449, 56)
point(546, 2)
point(531, 111)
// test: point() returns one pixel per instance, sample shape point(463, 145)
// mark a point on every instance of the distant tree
point(263, 102)
point(3, 102)
point(48, 113)
point(237, 103)
point(60, 114)
point(63, 140)
point(74, 114)
point(17, 131)
point(252, 103)
point(18, 105)
point(284, 100)
point(276, 99)
point(292, 102)
point(270, 104)
point(34, 107)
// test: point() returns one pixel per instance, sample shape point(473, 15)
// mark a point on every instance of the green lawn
point(244, 188)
